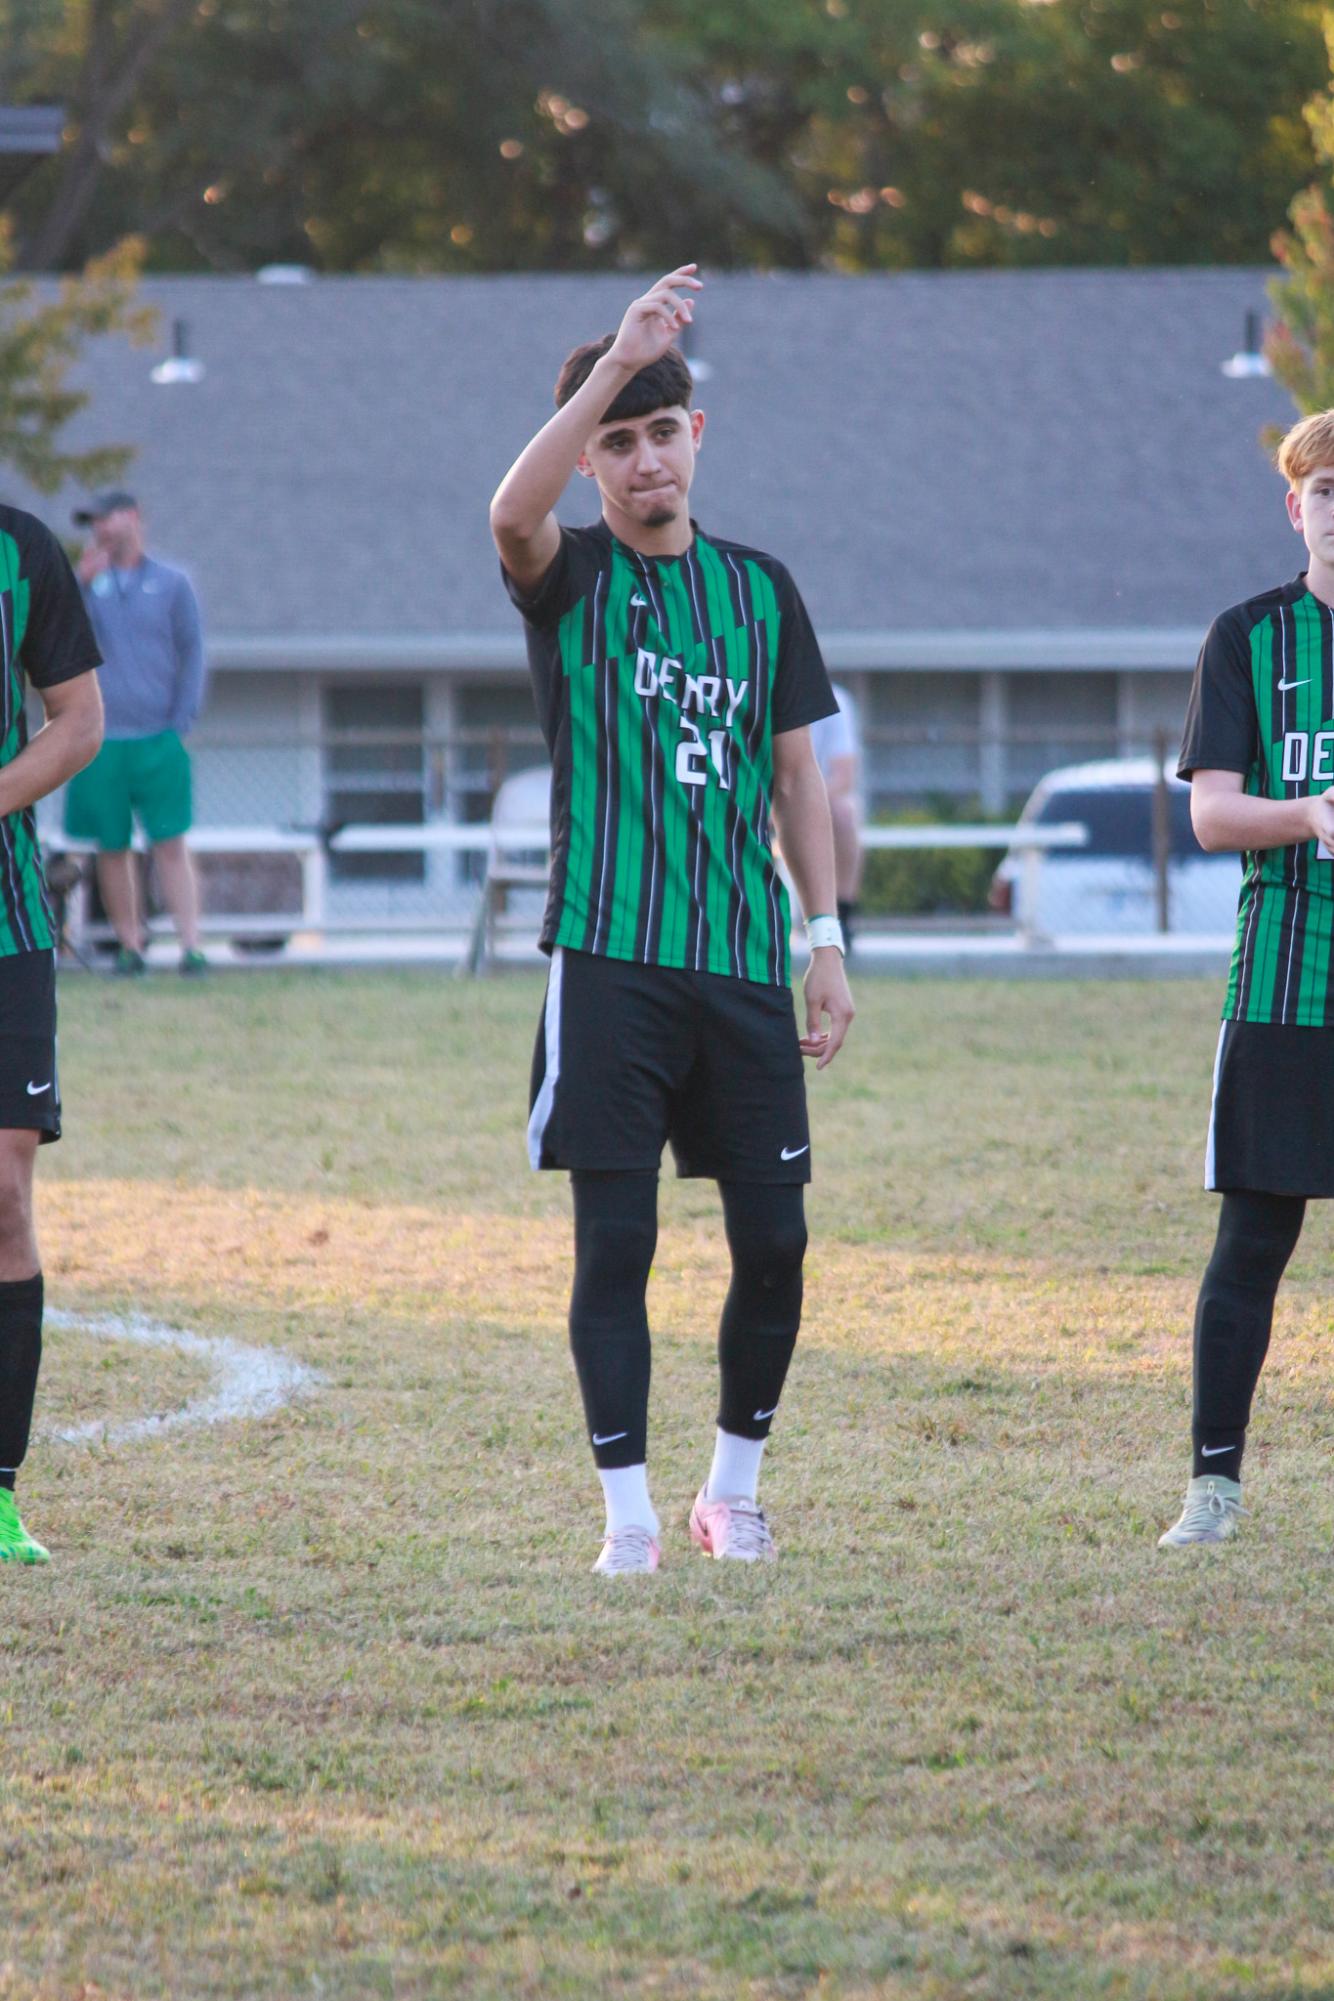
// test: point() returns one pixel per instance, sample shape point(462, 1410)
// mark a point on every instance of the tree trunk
point(113, 66)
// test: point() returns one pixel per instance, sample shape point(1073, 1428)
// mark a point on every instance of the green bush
point(930, 882)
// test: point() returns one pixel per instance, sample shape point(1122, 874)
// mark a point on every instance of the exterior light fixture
point(1248, 360)
point(180, 365)
point(700, 370)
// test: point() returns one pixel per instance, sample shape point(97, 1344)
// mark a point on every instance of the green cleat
point(1210, 1514)
point(16, 1545)
point(193, 963)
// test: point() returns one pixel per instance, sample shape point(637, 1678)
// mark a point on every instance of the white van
point(1108, 887)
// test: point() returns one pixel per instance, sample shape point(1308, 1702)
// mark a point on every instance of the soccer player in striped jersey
point(47, 643)
point(1259, 753)
point(676, 677)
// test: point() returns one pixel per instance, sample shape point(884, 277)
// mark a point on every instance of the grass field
point(329, 1704)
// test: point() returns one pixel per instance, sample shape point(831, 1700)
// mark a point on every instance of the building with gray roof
point(1012, 500)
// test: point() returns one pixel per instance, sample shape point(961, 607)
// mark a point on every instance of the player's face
point(644, 466)
point(1311, 510)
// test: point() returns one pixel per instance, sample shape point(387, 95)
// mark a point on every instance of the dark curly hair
point(662, 383)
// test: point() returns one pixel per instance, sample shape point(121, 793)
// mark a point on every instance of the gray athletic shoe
point(1210, 1514)
point(734, 1529)
point(628, 1550)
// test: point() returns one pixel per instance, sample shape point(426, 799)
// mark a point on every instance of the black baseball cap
point(103, 503)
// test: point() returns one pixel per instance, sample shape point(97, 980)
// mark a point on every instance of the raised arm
point(801, 816)
point(1225, 816)
point(523, 521)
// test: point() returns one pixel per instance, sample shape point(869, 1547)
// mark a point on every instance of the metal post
point(992, 777)
point(1126, 715)
point(1162, 829)
point(1031, 865)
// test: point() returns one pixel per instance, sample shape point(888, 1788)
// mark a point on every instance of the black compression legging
point(615, 1235)
point(766, 1234)
point(1257, 1234)
point(20, 1360)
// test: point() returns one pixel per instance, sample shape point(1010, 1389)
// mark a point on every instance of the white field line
point(247, 1382)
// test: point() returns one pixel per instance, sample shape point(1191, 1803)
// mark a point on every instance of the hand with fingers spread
point(653, 322)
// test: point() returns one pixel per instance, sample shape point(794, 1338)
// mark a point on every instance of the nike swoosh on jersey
point(1283, 686)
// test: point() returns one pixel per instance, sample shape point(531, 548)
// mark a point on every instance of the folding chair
point(522, 808)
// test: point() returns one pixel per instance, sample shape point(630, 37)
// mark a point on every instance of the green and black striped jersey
point(45, 637)
point(661, 682)
point(1262, 704)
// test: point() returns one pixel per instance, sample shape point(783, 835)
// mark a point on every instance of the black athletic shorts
point(29, 1086)
point(629, 1057)
point(1271, 1126)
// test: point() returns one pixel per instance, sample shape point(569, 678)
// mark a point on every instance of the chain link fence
point(266, 810)
point(1138, 869)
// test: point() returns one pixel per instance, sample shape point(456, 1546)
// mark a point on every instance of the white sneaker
point(1210, 1514)
point(626, 1550)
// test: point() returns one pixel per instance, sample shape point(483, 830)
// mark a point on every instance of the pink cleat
point(627, 1550)
point(733, 1528)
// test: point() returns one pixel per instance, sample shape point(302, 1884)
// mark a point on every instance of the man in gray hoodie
point(146, 619)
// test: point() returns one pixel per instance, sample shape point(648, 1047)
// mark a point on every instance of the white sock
point(625, 1490)
point(735, 1472)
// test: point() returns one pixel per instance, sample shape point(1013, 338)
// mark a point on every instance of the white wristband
point(825, 931)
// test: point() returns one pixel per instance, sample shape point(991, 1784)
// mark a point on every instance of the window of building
point(375, 772)
point(496, 735)
point(920, 734)
point(1055, 719)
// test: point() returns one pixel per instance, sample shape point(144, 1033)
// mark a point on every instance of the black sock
point(20, 1360)
point(1257, 1234)
point(1216, 1449)
point(766, 1232)
point(847, 911)
point(615, 1235)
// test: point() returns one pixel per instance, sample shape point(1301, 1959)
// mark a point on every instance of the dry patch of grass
point(331, 1704)
point(246, 1245)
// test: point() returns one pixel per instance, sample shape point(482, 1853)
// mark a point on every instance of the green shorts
point(143, 777)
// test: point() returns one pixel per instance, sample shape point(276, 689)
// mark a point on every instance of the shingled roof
point(987, 453)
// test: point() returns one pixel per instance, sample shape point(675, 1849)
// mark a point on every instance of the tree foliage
point(40, 340)
point(500, 134)
point(962, 132)
point(1300, 345)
